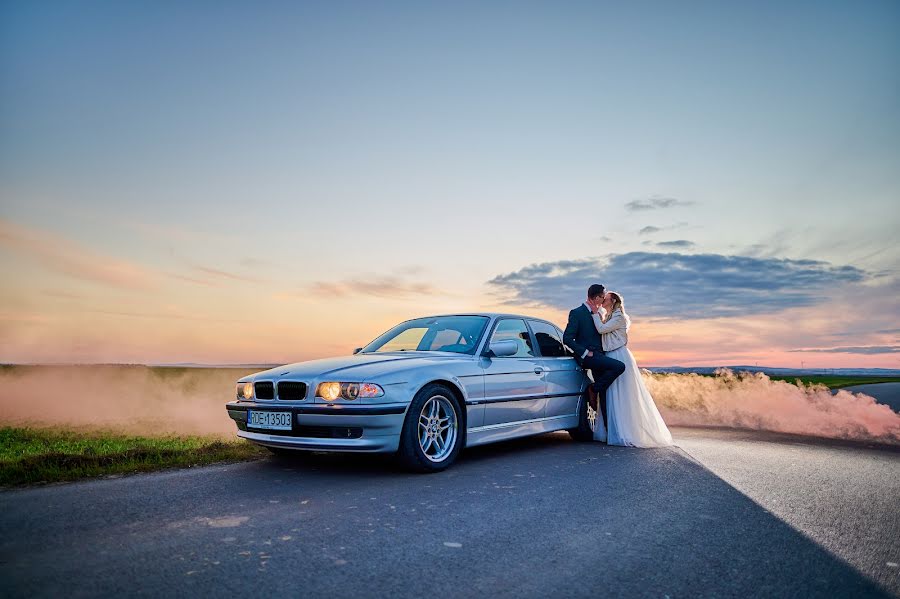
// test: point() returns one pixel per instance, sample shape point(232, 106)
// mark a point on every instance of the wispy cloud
point(851, 349)
point(389, 286)
point(65, 256)
point(676, 244)
point(651, 229)
point(252, 262)
point(171, 315)
point(778, 243)
point(194, 280)
point(62, 255)
point(61, 294)
point(655, 203)
point(212, 277)
point(673, 285)
point(222, 274)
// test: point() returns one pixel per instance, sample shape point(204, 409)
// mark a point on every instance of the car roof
point(487, 315)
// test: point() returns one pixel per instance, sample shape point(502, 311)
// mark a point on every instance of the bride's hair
point(617, 304)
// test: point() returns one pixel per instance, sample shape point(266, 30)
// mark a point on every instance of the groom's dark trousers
point(581, 335)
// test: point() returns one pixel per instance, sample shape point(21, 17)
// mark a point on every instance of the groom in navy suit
point(582, 337)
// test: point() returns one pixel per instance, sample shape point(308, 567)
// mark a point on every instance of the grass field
point(836, 382)
point(32, 455)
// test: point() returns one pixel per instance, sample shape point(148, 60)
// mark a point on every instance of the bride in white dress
point(631, 414)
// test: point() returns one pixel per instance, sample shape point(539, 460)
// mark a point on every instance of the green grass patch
point(832, 381)
point(35, 455)
point(836, 381)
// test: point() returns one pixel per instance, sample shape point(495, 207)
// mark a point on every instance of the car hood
point(361, 367)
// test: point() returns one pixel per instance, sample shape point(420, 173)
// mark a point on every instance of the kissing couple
point(597, 332)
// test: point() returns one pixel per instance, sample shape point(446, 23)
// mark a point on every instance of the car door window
point(514, 329)
point(446, 339)
point(549, 339)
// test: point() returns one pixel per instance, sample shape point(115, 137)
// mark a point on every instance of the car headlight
point(330, 391)
point(350, 390)
point(245, 390)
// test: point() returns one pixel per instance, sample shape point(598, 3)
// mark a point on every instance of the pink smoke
point(754, 401)
point(130, 399)
point(152, 401)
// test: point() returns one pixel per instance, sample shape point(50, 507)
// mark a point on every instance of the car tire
point(424, 445)
point(583, 431)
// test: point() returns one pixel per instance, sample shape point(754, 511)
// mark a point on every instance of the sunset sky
point(239, 182)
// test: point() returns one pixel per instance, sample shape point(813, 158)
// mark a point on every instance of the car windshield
point(458, 334)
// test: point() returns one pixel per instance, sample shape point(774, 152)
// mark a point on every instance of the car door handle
point(539, 370)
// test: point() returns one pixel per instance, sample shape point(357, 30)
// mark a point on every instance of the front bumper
point(328, 427)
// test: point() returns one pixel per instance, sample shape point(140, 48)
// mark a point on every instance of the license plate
point(271, 420)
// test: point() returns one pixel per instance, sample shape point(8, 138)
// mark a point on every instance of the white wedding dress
point(632, 415)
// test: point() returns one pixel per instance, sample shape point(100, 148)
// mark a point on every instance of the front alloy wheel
point(431, 438)
point(437, 428)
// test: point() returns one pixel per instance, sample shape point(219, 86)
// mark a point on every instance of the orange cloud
point(388, 287)
point(62, 255)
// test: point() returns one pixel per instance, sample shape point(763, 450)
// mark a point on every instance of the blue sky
point(404, 155)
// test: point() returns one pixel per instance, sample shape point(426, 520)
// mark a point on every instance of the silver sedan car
point(424, 390)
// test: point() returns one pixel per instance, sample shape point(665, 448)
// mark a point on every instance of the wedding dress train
point(632, 416)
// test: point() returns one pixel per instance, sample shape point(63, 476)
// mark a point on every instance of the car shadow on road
point(381, 465)
point(547, 515)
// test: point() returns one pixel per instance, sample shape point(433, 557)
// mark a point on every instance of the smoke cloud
point(160, 401)
point(129, 399)
point(754, 401)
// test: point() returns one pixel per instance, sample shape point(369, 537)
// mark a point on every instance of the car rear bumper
point(316, 427)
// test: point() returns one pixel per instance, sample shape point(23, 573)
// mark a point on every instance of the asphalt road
point(727, 514)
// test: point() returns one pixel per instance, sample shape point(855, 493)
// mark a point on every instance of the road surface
point(727, 513)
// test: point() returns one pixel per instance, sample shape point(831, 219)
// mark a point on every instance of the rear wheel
point(431, 438)
point(583, 432)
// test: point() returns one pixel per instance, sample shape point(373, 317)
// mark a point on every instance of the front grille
point(328, 432)
point(291, 390)
point(264, 390)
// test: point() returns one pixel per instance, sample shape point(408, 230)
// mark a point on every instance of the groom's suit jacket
point(581, 335)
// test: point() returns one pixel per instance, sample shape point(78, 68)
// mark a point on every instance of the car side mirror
point(503, 349)
point(357, 350)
